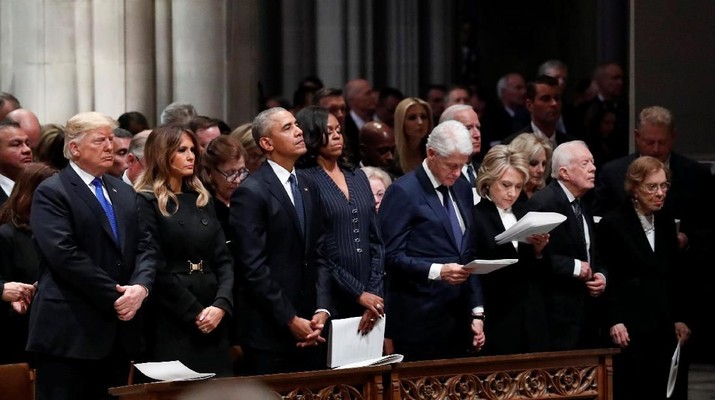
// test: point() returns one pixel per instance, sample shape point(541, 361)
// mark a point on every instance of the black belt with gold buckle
point(196, 267)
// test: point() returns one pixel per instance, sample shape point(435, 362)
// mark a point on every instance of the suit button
point(204, 221)
point(305, 264)
point(119, 265)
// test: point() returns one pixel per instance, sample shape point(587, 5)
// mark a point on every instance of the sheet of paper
point(346, 345)
point(533, 223)
point(481, 267)
point(171, 371)
point(673, 375)
point(384, 360)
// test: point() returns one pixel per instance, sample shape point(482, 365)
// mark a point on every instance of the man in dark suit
point(468, 117)
point(574, 274)
point(424, 217)
point(96, 270)
point(283, 281)
point(362, 101)
point(15, 153)
point(543, 100)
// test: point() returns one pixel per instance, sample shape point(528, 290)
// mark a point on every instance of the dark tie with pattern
point(298, 202)
point(470, 174)
point(579, 218)
point(107, 206)
point(452, 214)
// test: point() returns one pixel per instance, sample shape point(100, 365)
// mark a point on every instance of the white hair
point(501, 85)
point(177, 114)
point(550, 64)
point(450, 137)
point(452, 111)
point(563, 156)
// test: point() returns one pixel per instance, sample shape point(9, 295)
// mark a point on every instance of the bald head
point(361, 98)
point(29, 123)
point(377, 145)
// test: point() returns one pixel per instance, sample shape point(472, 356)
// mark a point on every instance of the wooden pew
point(347, 384)
point(583, 374)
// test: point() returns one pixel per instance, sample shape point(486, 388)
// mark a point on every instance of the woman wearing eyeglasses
point(224, 163)
point(638, 245)
point(193, 289)
point(351, 219)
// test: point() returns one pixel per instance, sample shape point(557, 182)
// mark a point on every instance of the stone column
point(139, 42)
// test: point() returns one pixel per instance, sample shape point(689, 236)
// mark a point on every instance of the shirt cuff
point(434, 272)
point(322, 310)
point(576, 268)
point(478, 310)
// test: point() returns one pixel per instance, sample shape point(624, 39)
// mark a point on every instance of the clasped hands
point(209, 318)
point(131, 299)
point(19, 295)
point(306, 332)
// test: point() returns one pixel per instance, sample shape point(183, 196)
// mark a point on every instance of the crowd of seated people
point(189, 241)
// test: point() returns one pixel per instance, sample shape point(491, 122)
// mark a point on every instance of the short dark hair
point(327, 92)
point(202, 122)
point(126, 119)
point(8, 123)
point(540, 80)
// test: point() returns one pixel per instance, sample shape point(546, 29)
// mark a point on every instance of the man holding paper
point(574, 279)
point(434, 305)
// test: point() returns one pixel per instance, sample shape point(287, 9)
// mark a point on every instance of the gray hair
point(563, 156)
point(450, 137)
point(377, 173)
point(656, 115)
point(452, 111)
point(84, 122)
point(262, 123)
point(550, 64)
point(178, 114)
point(136, 146)
point(121, 133)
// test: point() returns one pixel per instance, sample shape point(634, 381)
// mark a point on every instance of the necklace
point(647, 222)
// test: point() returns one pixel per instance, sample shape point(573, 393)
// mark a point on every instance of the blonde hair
point(531, 145)
point(82, 123)
point(161, 145)
point(402, 158)
point(495, 163)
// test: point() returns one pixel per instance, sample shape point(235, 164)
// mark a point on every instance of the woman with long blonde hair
point(193, 290)
point(413, 122)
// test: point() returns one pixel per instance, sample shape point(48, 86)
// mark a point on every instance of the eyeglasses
point(652, 188)
point(233, 176)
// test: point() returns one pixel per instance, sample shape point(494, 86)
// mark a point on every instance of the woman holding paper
point(349, 207)
point(513, 295)
point(638, 244)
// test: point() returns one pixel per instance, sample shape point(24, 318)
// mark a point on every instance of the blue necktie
point(297, 202)
point(107, 206)
point(452, 214)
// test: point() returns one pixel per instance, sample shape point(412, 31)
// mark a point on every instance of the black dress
point(19, 262)
point(179, 295)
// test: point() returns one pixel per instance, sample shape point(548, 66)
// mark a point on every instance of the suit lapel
point(83, 192)
point(430, 196)
point(277, 190)
point(566, 209)
point(307, 200)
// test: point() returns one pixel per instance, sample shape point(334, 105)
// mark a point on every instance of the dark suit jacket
point(567, 296)
point(351, 133)
point(3, 197)
point(73, 313)
point(417, 233)
point(561, 137)
point(513, 295)
point(279, 270)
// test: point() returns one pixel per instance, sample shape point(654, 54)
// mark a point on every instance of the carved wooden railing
point(348, 384)
point(583, 374)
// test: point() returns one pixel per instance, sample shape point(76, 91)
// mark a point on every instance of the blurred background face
point(254, 159)
point(515, 92)
point(537, 167)
point(505, 190)
point(416, 122)
point(654, 140)
point(228, 177)
point(378, 191)
point(470, 120)
point(546, 106)
point(336, 106)
point(15, 151)
point(207, 135)
point(121, 151)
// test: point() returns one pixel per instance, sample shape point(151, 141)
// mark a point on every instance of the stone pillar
point(403, 47)
point(243, 62)
point(139, 34)
point(198, 50)
point(330, 42)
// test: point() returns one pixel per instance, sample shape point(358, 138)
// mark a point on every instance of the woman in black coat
point(512, 295)
point(194, 281)
point(19, 263)
point(638, 244)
